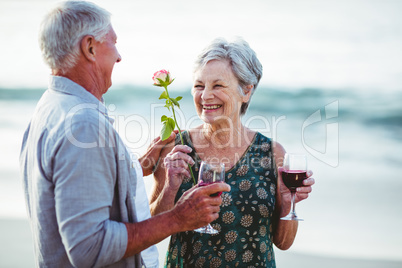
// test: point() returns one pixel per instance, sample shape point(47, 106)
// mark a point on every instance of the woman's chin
point(219, 119)
point(206, 120)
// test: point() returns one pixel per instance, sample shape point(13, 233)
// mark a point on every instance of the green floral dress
point(245, 221)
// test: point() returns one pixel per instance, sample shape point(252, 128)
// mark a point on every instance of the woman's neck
point(224, 135)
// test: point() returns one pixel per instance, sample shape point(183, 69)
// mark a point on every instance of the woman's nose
point(206, 94)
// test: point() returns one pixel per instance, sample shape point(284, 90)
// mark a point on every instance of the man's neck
point(84, 79)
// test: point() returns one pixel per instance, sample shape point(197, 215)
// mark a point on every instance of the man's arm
point(196, 208)
point(85, 179)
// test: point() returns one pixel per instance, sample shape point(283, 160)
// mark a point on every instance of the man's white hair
point(63, 29)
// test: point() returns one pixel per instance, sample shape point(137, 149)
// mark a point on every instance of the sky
point(310, 43)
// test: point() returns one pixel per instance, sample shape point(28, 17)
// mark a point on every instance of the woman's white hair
point(63, 29)
point(243, 60)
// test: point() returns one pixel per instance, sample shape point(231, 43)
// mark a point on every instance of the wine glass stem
point(293, 204)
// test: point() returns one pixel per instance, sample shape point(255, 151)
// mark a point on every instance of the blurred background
point(332, 89)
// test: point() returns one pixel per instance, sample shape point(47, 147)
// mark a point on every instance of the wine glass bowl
point(210, 173)
point(293, 174)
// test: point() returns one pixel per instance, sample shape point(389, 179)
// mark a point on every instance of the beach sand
point(16, 251)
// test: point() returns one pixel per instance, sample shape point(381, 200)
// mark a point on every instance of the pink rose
point(162, 78)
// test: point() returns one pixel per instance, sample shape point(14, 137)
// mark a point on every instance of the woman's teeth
point(211, 107)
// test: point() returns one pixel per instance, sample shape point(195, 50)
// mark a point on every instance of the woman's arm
point(172, 168)
point(284, 231)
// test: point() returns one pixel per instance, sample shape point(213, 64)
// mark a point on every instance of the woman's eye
point(198, 87)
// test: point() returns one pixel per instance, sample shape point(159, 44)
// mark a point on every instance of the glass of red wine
point(210, 173)
point(293, 174)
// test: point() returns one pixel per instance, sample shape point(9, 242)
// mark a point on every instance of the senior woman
point(225, 77)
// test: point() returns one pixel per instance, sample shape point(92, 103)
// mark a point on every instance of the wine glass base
point(291, 217)
point(206, 230)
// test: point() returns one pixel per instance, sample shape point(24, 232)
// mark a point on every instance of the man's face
point(106, 56)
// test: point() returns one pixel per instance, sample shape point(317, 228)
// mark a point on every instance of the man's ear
point(88, 47)
point(247, 93)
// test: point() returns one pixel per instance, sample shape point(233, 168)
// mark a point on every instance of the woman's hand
point(304, 191)
point(301, 192)
point(176, 163)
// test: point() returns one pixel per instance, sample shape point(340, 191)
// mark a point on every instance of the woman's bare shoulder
point(279, 152)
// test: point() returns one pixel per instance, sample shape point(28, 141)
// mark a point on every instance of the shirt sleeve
point(150, 255)
point(84, 177)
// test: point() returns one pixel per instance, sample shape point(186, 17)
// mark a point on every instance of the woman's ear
point(247, 93)
point(88, 47)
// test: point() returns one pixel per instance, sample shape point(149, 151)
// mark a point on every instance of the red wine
point(293, 178)
point(208, 183)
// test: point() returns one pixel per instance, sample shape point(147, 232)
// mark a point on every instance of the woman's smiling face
point(215, 93)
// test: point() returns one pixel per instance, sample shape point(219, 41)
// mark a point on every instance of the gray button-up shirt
point(78, 180)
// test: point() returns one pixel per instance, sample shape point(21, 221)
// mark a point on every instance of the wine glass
point(293, 174)
point(210, 173)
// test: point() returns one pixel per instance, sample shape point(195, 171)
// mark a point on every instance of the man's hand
point(196, 207)
point(151, 156)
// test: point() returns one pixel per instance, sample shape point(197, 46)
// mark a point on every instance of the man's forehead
point(111, 33)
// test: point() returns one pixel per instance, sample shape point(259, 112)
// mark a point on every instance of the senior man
point(79, 179)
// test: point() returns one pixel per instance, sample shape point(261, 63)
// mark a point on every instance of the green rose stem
point(178, 128)
point(162, 79)
point(174, 114)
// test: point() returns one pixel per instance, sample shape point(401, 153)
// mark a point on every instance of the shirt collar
point(69, 87)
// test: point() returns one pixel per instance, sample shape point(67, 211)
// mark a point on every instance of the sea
point(352, 141)
point(332, 89)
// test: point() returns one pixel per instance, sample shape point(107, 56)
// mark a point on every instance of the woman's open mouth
point(211, 107)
